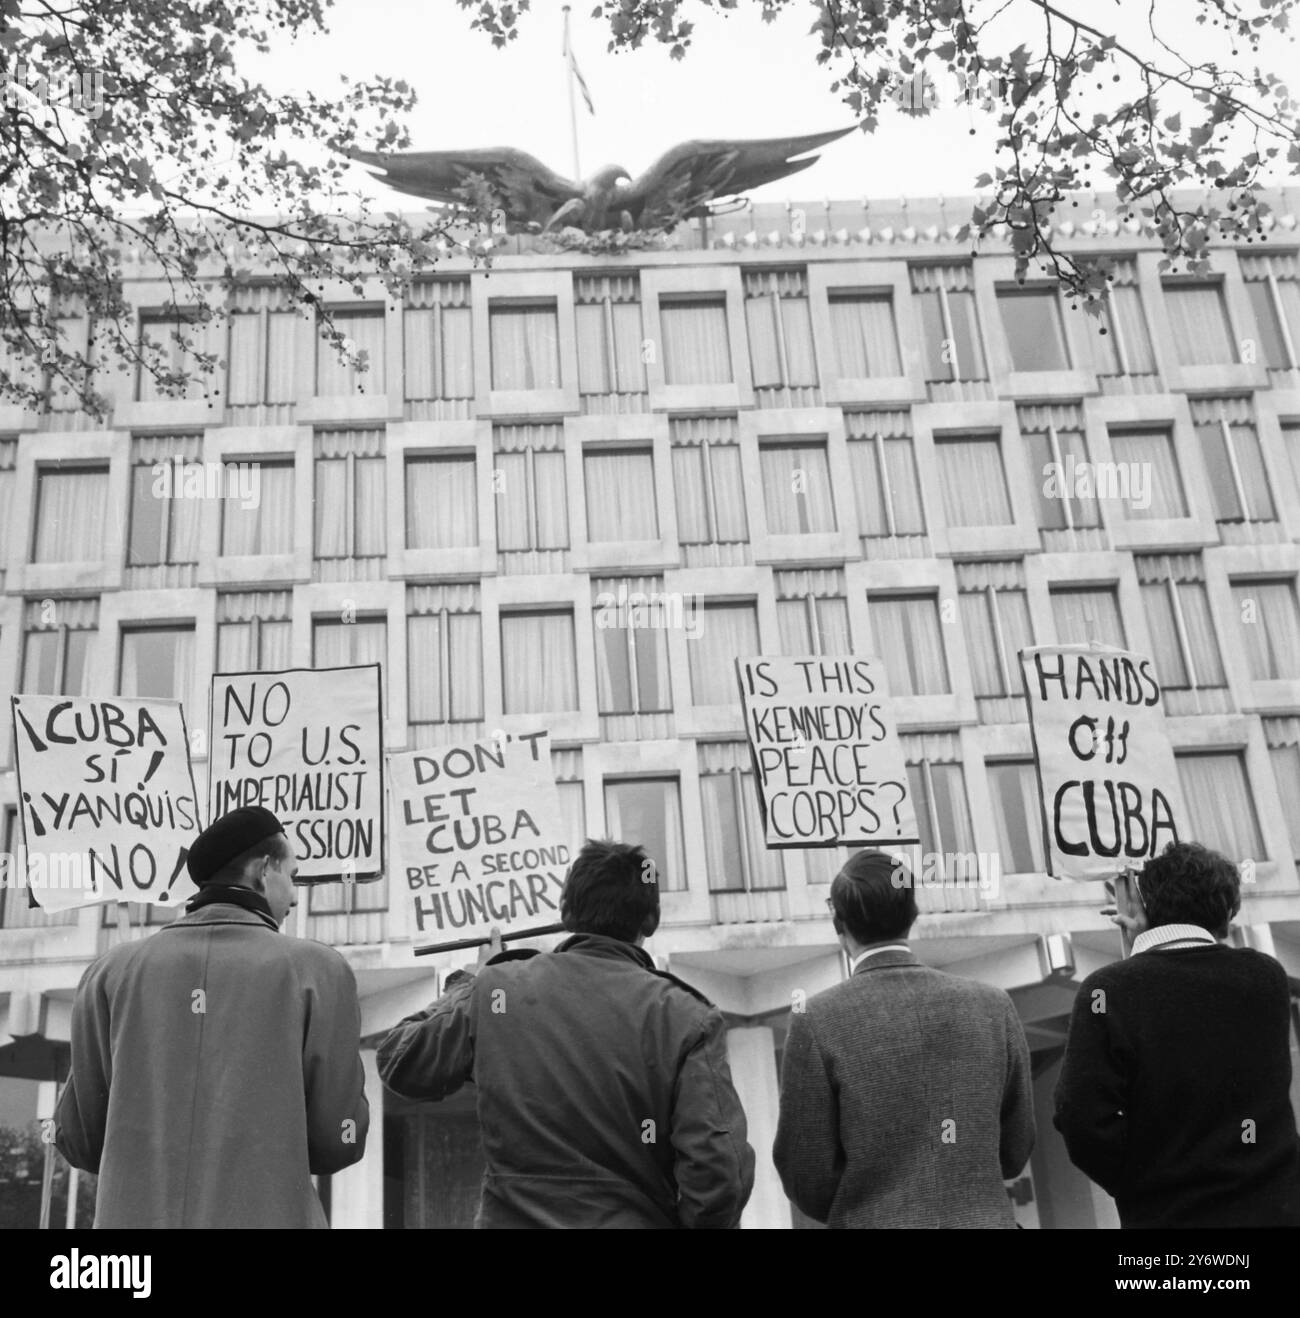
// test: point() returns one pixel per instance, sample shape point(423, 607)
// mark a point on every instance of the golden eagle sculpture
point(535, 199)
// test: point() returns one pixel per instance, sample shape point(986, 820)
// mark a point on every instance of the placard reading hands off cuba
point(827, 759)
point(1110, 790)
point(107, 799)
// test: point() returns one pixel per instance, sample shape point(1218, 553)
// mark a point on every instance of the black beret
point(228, 837)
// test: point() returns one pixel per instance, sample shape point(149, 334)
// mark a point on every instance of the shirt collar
point(1166, 936)
point(855, 962)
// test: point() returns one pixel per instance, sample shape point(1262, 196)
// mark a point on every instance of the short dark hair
point(612, 889)
point(231, 874)
point(1190, 884)
point(874, 897)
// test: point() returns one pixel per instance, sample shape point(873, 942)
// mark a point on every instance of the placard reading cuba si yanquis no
point(107, 800)
point(1109, 785)
point(827, 759)
point(307, 745)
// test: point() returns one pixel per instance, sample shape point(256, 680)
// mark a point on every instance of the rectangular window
point(1152, 461)
point(166, 369)
point(8, 460)
point(1270, 627)
point(57, 637)
point(351, 498)
point(812, 613)
point(620, 495)
point(1273, 285)
point(1217, 794)
point(348, 644)
point(708, 481)
point(444, 656)
point(727, 631)
point(1031, 318)
point(539, 672)
point(363, 331)
point(780, 331)
point(1055, 455)
point(908, 640)
point(735, 852)
point(441, 502)
point(796, 488)
point(168, 485)
point(696, 340)
point(1283, 737)
point(1087, 614)
point(265, 527)
point(649, 811)
point(17, 910)
point(953, 347)
point(254, 631)
point(159, 662)
point(996, 623)
point(71, 503)
point(1013, 785)
point(1239, 487)
point(882, 462)
point(525, 346)
point(865, 335)
point(939, 798)
point(1125, 347)
point(1198, 317)
point(610, 334)
point(261, 366)
point(972, 480)
point(438, 341)
point(1186, 650)
point(531, 504)
point(631, 624)
point(348, 898)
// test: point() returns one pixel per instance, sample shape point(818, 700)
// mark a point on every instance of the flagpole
point(573, 112)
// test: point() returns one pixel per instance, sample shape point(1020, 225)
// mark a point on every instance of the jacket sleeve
point(1092, 1093)
point(1017, 1099)
point(338, 1115)
point(714, 1165)
point(431, 1054)
point(808, 1155)
point(82, 1114)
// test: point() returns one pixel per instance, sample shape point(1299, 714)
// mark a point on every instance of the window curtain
point(1085, 511)
point(795, 630)
point(159, 332)
point(1019, 818)
point(726, 630)
point(1218, 798)
point(866, 341)
point(907, 637)
point(532, 509)
point(696, 342)
point(796, 489)
point(949, 805)
point(441, 503)
point(159, 663)
point(538, 667)
point(1286, 769)
point(1199, 321)
point(1250, 468)
point(1201, 638)
point(1272, 636)
point(70, 515)
point(552, 501)
point(148, 520)
point(981, 644)
point(514, 521)
point(183, 531)
point(245, 359)
point(281, 357)
point(267, 528)
point(1171, 670)
point(620, 495)
point(573, 813)
point(345, 644)
point(371, 508)
point(1031, 319)
point(728, 493)
point(770, 320)
point(1152, 452)
point(1128, 316)
point(649, 811)
point(1083, 616)
point(365, 330)
point(973, 483)
point(595, 370)
point(332, 512)
point(692, 494)
point(722, 839)
point(525, 348)
point(425, 662)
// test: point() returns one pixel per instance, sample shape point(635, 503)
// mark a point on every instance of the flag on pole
point(574, 71)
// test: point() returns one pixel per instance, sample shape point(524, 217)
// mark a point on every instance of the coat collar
point(887, 960)
point(222, 913)
point(609, 948)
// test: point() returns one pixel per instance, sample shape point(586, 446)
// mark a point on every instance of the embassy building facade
point(572, 488)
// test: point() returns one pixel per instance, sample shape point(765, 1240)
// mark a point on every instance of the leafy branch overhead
point(131, 140)
point(1078, 108)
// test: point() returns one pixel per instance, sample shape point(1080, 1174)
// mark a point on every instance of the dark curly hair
point(1190, 884)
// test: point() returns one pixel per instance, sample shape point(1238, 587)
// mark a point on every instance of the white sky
point(741, 78)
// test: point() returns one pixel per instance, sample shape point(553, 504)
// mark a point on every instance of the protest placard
point(478, 838)
point(107, 800)
point(307, 745)
point(1107, 779)
point(827, 759)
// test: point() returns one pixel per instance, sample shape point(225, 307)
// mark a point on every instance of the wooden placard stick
point(461, 943)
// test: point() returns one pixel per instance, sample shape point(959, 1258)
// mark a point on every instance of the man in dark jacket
point(905, 1093)
point(604, 1094)
point(216, 1065)
point(1174, 1094)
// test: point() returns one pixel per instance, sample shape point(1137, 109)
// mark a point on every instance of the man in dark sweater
point(1174, 1093)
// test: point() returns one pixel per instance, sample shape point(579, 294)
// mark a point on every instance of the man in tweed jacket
point(905, 1093)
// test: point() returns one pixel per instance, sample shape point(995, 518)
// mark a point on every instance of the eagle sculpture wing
point(529, 192)
point(684, 179)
